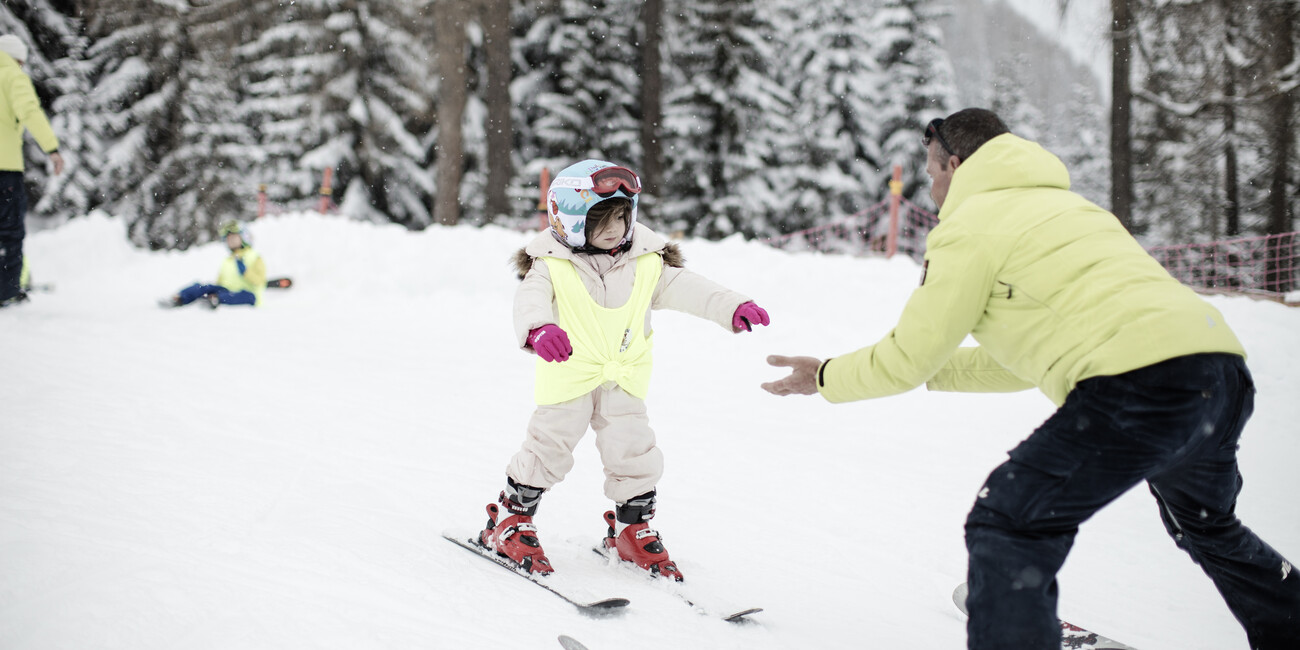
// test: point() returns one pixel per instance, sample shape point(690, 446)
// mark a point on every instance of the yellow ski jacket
point(1051, 286)
point(252, 278)
point(20, 109)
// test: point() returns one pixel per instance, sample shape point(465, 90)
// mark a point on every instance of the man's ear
point(953, 162)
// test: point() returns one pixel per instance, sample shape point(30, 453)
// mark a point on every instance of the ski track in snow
point(280, 477)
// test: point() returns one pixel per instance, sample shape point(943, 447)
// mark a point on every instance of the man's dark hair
point(968, 129)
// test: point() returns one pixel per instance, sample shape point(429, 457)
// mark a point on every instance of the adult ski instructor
point(19, 109)
point(1149, 381)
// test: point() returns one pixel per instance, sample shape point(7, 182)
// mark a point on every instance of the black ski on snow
point(598, 607)
point(675, 589)
point(1073, 637)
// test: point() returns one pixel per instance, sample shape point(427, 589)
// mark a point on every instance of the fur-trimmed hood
point(644, 240)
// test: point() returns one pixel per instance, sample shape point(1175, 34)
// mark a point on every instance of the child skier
point(240, 281)
point(583, 306)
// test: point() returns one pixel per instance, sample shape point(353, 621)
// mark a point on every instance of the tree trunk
point(1121, 111)
point(652, 165)
point(449, 31)
point(1279, 111)
point(1232, 201)
point(1279, 123)
point(500, 130)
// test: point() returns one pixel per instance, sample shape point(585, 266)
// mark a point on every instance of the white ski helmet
point(582, 185)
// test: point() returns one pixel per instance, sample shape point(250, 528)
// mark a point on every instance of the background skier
point(241, 280)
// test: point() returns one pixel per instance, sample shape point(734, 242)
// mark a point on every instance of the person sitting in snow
point(241, 279)
point(588, 284)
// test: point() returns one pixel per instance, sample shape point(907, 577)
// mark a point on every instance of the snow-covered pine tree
point(348, 85)
point(55, 48)
point(200, 176)
point(387, 66)
point(832, 76)
point(727, 119)
point(917, 86)
point(589, 106)
point(296, 95)
point(536, 73)
point(1177, 136)
point(133, 110)
point(1260, 82)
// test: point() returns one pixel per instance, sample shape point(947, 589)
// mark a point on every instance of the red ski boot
point(515, 537)
point(640, 545)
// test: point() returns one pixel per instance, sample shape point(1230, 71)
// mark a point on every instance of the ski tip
point(569, 643)
point(739, 617)
point(604, 607)
point(959, 597)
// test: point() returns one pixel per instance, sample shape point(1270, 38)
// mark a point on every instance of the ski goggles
point(611, 179)
point(932, 131)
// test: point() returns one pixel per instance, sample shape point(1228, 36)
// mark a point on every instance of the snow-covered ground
point(279, 477)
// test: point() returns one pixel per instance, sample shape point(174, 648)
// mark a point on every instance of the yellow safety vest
point(608, 344)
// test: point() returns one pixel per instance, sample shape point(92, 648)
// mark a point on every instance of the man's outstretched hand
point(802, 379)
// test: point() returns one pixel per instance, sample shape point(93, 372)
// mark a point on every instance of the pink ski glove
point(551, 343)
point(748, 314)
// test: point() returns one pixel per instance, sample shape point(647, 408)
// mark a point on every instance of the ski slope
point(279, 477)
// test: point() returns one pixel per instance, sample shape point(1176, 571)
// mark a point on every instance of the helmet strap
point(592, 250)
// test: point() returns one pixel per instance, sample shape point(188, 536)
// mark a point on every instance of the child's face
point(610, 233)
point(234, 241)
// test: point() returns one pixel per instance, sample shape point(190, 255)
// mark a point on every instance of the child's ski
point(596, 607)
point(1073, 637)
point(678, 589)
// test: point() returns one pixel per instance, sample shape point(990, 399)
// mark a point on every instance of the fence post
point(326, 190)
point(895, 196)
point(542, 212)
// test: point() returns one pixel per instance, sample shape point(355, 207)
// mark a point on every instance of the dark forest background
point(757, 117)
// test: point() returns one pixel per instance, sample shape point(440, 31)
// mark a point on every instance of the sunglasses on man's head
point(932, 131)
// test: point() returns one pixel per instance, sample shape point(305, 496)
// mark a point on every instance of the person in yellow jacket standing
point(240, 281)
point(20, 110)
point(588, 285)
point(1150, 382)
